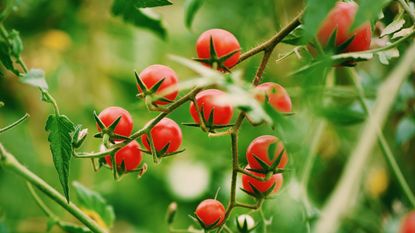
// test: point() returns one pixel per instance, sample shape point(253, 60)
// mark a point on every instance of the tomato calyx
point(207, 125)
point(267, 169)
point(257, 193)
point(109, 131)
point(203, 225)
point(158, 155)
point(214, 60)
point(149, 94)
point(121, 169)
point(245, 226)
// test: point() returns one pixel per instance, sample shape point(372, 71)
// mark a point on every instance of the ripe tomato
point(262, 186)
point(153, 74)
point(206, 99)
point(110, 114)
point(210, 211)
point(276, 94)
point(408, 223)
point(341, 17)
point(164, 132)
point(259, 148)
point(224, 43)
point(129, 154)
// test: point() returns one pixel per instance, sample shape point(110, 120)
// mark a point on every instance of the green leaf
point(190, 9)
point(93, 201)
point(130, 12)
point(316, 12)
point(295, 37)
point(36, 78)
point(396, 25)
point(405, 130)
point(368, 11)
point(15, 43)
point(5, 57)
point(60, 129)
point(343, 115)
point(70, 228)
point(151, 3)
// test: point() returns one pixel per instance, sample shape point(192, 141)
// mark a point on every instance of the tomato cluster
point(158, 85)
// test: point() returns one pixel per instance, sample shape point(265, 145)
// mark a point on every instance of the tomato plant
point(166, 136)
point(110, 114)
point(276, 95)
point(260, 153)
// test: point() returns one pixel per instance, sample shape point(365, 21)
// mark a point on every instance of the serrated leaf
point(393, 27)
point(405, 130)
point(151, 3)
point(403, 32)
point(316, 12)
point(94, 202)
point(190, 9)
point(367, 11)
point(60, 129)
point(128, 10)
point(36, 78)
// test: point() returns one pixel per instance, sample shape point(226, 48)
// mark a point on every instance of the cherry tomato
point(153, 74)
point(224, 43)
point(206, 99)
point(261, 186)
point(210, 211)
point(110, 114)
point(129, 154)
point(408, 223)
point(341, 17)
point(164, 132)
point(276, 94)
point(259, 148)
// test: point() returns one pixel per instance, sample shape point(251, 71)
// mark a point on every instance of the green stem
point(387, 152)
point(347, 189)
point(10, 162)
point(408, 9)
point(2, 130)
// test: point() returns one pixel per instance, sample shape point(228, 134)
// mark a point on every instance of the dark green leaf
point(15, 43)
point(343, 115)
point(128, 10)
point(316, 12)
point(190, 9)
point(70, 228)
point(93, 201)
point(151, 3)
point(368, 12)
point(60, 129)
point(36, 78)
point(405, 130)
point(295, 37)
point(5, 57)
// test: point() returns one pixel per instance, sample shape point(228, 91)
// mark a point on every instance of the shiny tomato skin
point(277, 96)
point(164, 132)
point(408, 223)
point(259, 147)
point(110, 114)
point(341, 17)
point(224, 43)
point(129, 154)
point(153, 74)
point(222, 114)
point(261, 186)
point(209, 211)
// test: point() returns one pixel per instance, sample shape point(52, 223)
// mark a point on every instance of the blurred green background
point(89, 57)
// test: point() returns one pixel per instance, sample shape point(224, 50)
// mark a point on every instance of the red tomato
point(276, 94)
point(153, 74)
point(408, 223)
point(110, 114)
point(224, 43)
point(209, 211)
point(129, 154)
point(206, 99)
point(342, 17)
point(262, 186)
point(259, 148)
point(164, 132)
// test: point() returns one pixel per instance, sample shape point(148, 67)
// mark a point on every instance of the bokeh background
point(89, 57)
